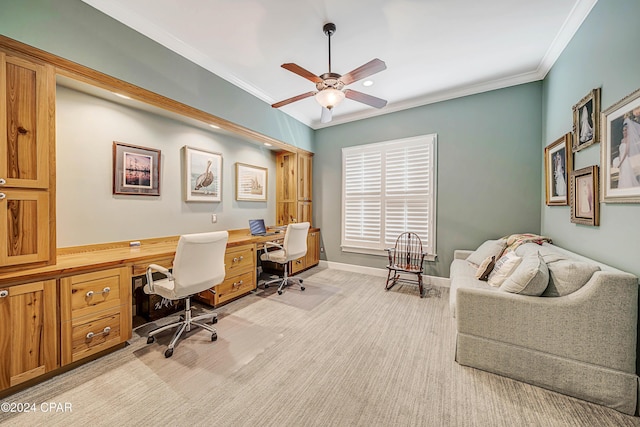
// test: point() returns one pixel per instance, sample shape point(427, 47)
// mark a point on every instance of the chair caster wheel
point(214, 337)
point(279, 292)
point(302, 288)
point(266, 286)
point(151, 340)
point(214, 320)
point(300, 280)
point(168, 353)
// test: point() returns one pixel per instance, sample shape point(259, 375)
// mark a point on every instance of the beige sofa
point(582, 344)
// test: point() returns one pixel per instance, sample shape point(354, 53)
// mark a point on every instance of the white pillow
point(531, 277)
point(503, 268)
point(487, 249)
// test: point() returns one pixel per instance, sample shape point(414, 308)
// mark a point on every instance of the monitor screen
point(256, 226)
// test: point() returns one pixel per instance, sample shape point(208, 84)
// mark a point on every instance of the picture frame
point(586, 121)
point(136, 170)
point(202, 175)
point(584, 195)
point(620, 151)
point(251, 183)
point(558, 163)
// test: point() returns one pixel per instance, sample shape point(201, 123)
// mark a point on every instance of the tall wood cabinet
point(28, 332)
point(294, 176)
point(27, 161)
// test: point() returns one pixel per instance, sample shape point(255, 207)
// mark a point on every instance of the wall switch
point(214, 218)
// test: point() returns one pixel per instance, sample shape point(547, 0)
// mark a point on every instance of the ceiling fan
point(330, 86)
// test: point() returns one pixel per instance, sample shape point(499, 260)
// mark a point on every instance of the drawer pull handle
point(237, 284)
point(3, 181)
point(4, 293)
point(105, 331)
point(2, 196)
point(236, 259)
point(104, 291)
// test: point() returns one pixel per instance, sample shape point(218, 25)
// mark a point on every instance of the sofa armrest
point(461, 254)
point(596, 324)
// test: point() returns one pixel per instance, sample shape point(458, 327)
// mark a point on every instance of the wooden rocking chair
point(406, 257)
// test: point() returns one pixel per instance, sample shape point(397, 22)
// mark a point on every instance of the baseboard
point(443, 282)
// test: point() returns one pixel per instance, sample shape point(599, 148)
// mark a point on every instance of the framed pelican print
point(202, 175)
point(136, 170)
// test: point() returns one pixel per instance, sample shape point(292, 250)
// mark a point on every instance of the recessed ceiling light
point(367, 83)
point(215, 126)
point(121, 95)
point(266, 144)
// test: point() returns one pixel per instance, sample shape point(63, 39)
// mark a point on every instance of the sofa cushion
point(483, 271)
point(487, 249)
point(530, 277)
point(567, 276)
point(503, 268)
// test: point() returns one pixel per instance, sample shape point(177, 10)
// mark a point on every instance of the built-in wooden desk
point(80, 307)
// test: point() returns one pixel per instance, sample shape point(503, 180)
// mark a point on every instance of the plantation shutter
point(388, 188)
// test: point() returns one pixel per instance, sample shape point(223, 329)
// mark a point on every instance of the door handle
point(2, 196)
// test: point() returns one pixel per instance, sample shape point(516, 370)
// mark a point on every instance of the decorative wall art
point(251, 183)
point(585, 204)
point(620, 151)
point(586, 121)
point(136, 170)
point(557, 166)
point(202, 175)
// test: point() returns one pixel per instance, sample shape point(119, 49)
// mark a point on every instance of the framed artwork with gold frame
point(558, 163)
point(584, 195)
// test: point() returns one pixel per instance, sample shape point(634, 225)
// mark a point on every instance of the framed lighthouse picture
point(202, 175)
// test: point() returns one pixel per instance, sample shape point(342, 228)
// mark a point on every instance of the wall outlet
point(214, 218)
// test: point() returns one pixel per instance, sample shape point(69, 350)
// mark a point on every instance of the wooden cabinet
point(294, 177)
point(27, 162)
point(28, 332)
point(240, 275)
point(95, 310)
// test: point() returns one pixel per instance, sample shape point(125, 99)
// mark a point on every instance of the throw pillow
point(503, 268)
point(530, 277)
point(485, 268)
point(567, 276)
point(487, 249)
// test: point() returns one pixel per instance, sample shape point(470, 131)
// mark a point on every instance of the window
point(389, 188)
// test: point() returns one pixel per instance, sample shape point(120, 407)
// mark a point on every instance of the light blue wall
point(603, 53)
point(75, 31)
point(488, 169)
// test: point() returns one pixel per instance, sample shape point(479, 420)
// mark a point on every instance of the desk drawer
point(239, 259)
point(95, 335)
point(141, 269)
point(235, 286)
point(89, 293)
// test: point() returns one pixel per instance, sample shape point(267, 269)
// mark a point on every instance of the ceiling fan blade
point(293, 99)
point(326, 116)
point(364, 98)
point(294, 68)
point(366, 70)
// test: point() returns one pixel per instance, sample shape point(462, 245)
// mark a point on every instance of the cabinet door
point(313, 249)
point(28, 332)
point(305, 211)
point(24, 226)
point(27, 105)
point(305, 177)
point(286, 177)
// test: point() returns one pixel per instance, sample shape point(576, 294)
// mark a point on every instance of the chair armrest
point(271, 244)
point(160, 269)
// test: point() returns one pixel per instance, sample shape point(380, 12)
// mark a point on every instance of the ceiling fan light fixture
point(329, 97)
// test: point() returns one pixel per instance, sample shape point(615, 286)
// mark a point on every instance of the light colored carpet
point(345, 352)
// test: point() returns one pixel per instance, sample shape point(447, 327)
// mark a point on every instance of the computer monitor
point(257, 227)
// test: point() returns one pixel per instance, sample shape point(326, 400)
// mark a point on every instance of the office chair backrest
point(199, 262)
point(295, 240)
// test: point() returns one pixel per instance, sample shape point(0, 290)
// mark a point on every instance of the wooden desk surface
point(81, 259)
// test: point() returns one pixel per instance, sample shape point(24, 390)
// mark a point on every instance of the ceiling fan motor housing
point(330, 80)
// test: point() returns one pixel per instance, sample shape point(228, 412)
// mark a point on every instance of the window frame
point(377, 248)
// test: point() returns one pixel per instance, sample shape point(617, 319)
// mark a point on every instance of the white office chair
point(197, 267)
point(293, 247)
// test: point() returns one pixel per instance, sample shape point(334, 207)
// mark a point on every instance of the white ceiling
point(434, 49)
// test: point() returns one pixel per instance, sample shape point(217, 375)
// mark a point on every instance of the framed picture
point(202, 175)
point(251, 183)
point(620, 151)
point(136, 170)
point(585, 203)
point(586, 121)
point(558, 159)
